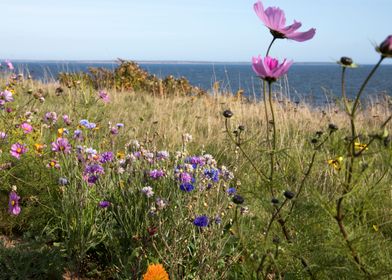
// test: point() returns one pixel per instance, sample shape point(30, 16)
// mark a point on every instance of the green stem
point(364, 85)
point(265, 93)
point(258, 171)
point(274, 131)
point(344, 97)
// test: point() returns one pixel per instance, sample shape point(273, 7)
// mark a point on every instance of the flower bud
point(386, 47)
point(237, 199)
point(228, 114)
point(347, 61)
point(289, 194)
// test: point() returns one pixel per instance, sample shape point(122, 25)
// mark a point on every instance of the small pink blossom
point(13, 204)
point(9, 65)
point(61, 145)
point(27, 128)
point(386, 47)
point(18, 149)
point(104, 96)
point(269, 68)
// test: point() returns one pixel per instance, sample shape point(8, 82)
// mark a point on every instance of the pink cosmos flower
point(5, 96)
point(18, 149)
point(275, 20)
point(104, 96)
point(269, 68)
point(13, 204)
point(9, 65)
point(61, 145)
point(386, 47)
point(27, 128)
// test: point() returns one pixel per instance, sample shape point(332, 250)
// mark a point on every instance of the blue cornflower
point(187, 187)
point(231, 191)
point(201, 221)
point(212, 174)
point(84, 122)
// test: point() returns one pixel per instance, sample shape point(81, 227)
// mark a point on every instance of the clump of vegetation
point(128, 76)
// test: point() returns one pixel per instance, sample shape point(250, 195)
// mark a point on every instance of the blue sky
point(198, 30)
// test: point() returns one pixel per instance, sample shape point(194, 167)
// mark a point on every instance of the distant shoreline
point(169, 62)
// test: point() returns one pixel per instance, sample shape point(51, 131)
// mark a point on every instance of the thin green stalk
point(262, 175)
point(356, 102)
point(274, 132)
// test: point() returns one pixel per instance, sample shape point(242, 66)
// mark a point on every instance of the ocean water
point(313, 83)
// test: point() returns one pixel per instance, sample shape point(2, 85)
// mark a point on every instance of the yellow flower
point(336, 163)
point(156, 272)
point(60, 132)
point(360, 147)
point(39, 148)
point(120, 155)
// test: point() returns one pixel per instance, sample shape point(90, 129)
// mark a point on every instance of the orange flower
point(156, 272)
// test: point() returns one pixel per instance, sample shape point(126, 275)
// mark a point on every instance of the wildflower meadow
point(122, 175)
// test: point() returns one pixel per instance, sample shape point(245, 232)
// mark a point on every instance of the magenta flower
point(13, 204)
point(61, 145)
point(27, 128)
point(269, 68)
point(5, 96)
point(386, 47)
point(9, 65)
point(275, 20)
point(18, 149)
point(104, 96)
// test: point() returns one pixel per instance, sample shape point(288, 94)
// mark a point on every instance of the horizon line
point(115, 61)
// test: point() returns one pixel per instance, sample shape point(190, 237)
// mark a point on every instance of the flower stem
point(364, 85)
point(273, 148)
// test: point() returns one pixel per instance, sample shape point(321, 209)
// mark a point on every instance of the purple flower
point(91, 125)
point(3, 135)
point(94, 169)
point(106, 157)
point(92, 179)
point(104, 204)
point(156, 174)
point(103, 95)
point(385, 47)
point(50, 117)
point(275, 20)
point(269, 68)
point(13, 204)
point(231, 191)
point(18, 149)
point(114, 130)
point(78, 135)
point(185, 177)
point(84, 123)
point(201, 221)
point(119, 125)
point(67, 120)
point(61, 145)
point(195, 161)
point(187, 187)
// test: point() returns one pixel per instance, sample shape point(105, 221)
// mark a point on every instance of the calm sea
point(314, 83)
